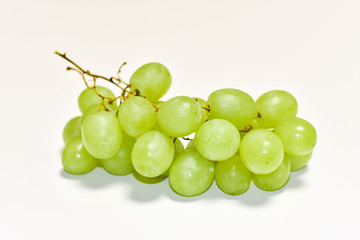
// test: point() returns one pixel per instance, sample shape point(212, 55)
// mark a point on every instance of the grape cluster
point(237, 140)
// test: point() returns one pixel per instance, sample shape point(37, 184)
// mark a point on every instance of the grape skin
point(121, 164)
point(276, 106)
point(232, 105)
point(152, 154)
point(136, 116)
point(152, 80)
point(261, 151)
point(71, 130)
point(232, 177)
point(191, 174)
point(101, 134)
point(217, 140)
point(75, 159)
point(298, 162)
point(297, 135)
point(274, 180)
point(90, 110)
point(179, 116)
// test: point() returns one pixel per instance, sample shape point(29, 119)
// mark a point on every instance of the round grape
point(72, 129)
point(297, 135)
point(152, 80)
point(232, 177)
point(275, 106)
point(274, 180)
point(217, 140)
point(136, 116)
point(101, 134)
point(75, 159)
point(191, 174)
point(179, 116)
point(261, 151)
point(152, 154)
point(298, 162)
point(121, 164)
point(233, 105)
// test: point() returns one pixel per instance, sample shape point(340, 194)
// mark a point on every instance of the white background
point(310, 48)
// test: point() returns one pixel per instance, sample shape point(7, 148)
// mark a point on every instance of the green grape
point(261, 151)
point(233, 105)
point(191, 174)
point(298, 162)
point(297, 135)
point(88, 97)
point(90, 110)
point(205, 113)
point(152, 80)
point(274, 180)
point(101, 134)
point(217, 140)
point(190, 145)
point(75, 158)
point(136, 116)
point(72, 129)
point(120, 164)
point(179, 116)
point(232, 177)
point(276, 106)
point(152, 154)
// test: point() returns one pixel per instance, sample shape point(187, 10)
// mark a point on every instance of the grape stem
point(186, 138)
point(246, 128)
point(117, 81)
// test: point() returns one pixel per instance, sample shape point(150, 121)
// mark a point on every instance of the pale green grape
point(205, 113)
point(232, 177)
point(298, 162)
point(75, 158)
point(90, 110)
point(297, 135)
point(120, 164)
point(72, 129)
point(191, 174)
point(190, 145)
point(152, 80)
point(274, 180)
point(275, 106)
point(261, 151)
point(136, 116)
point(88, 97)
point(179, 116)
point(152, 154)
point(233, 105)
point(217, 140)
point(101, 134)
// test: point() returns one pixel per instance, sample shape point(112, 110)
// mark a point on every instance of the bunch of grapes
point(236, 140)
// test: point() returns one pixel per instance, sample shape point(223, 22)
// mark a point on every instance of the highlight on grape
point(237, 140)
